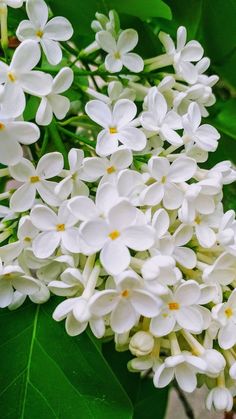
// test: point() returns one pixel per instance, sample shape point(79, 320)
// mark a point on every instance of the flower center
point(111, 169)
point(27, 239)
point(117, 55)
point(39, 33)
point(228, 312)
point(173, 306)
point(198, 219)
point(163, 179)
point(114, 235)
point(11, 76)
point(113, 130)
point(34, 179)
point(2, 126)
point(125, 293)
point(60, 227)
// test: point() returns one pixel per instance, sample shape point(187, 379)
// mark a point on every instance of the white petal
point(160, 222)
point(113, 64)
point(162, 325)
point(43, 218)
point(52, 50)
point(115, 257)
point(127, 40)
point(99, 112)
point(71, 240)
point(158, 167)
point(144, 303)
point(63, 80)
point(106, 143)
point(106, 41)
point(44, 113)
point(122, 158)
point(185, 257)
point(103, 302)
point(173, 196)
point(73, 326)
point(121, 215)
point(95, 240)
point(22, 171)
point(63, 309)
point(168, 134)
point(183, 235)
point(83, 208)
point(13, 100)
point(23, 198)
point(59, 29)
point(26, 30)
point(26, 56)
point(133, 138)
point(163, 376)
point(46, 190)
point(227, 336)
point(60, 105)
point(6, 294)
point(24, 132)
point(153, 194)
point(186, 378)
point(124, 111)
point(138, 237)
point(189, 318)
point(36, 83)
point(182, 169)
point(192, 51)
point(205, 235)
point(26, 285)
point(37, 11)
point(133, 62)
point(123, 317)
point(45, 244)
point(50, 165)
point(188, 293)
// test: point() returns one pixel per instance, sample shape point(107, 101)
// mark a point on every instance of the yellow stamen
point(125, 293)
point(2, 126)
point(117, 55)
point(60, 227)
point(27, 239)
point(39, 33)
point(173, 305)
point(114, 235)
point(198, 219)
point(11, 77)
point(34, 179)
point(163, 179)
point(113, 130)
point(229, 312)
point(110, 170)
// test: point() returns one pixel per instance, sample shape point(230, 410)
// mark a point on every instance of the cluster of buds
point(132, 232)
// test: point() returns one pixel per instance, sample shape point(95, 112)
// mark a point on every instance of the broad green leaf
point(185, 13)
point(47, 374)
point(148, 401)
point(225, 120)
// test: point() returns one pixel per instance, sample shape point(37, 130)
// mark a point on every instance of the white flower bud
point(141, 343)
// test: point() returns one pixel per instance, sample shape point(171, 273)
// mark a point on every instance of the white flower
point(70, 285)
point(117, 124)
point(13, 3)
point(71, 184)
point(35, 180)
point(222, 271)
point(77, 313)
point(160, 271)
point(166, 181)
point(220, 398)
point(183, 54)
point(205, 136)
point(116, 233)
point(126, 302)
point(46, 33)
point(26, 232)
point(18, 78)
point(159, 120)
point(225, 314)
point(180, 308)
point(13, 277)
point(56, 230)
point(12, 134)
point(97, 167)
point(119, 54)
point(54, 102)
point(141, 344)
point(183, 368)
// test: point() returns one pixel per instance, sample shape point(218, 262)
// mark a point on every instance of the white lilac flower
point(18, 79)
point(13, 277)
point(12, 134)
point(117, 126)
point(72, 183)
point(220, 398)
point(225, 314)
point(97, 167)
point(70, 285)
point(179, 309)
point(204, 136)
point(35, 180)
point(116, 234)
point(158, 120)
point(13, 3)
point(54, 102)
point(166, 180)
point(56, 229)
point(183, 368)
point(119, 54)
point(160, 272)
point(222, 271)
point(48, 34)
point(126, 302)
point(183, 55)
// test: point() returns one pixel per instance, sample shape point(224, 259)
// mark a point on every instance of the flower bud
point(141, 343)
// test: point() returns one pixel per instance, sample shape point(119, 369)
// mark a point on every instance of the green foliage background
point(44, 373)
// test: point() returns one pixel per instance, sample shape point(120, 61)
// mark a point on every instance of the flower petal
point(52, 50)
point(37, 10)
point(133, 62)
point(103, 302)
point(59, 29)
point(43, 218)
point(99, 112)
point(163, 324)
point(45, 244)
point(139, 238)
point(23, 198)
point(50, 165)
point(115, 257)
point(144, 303)
point(123, 317)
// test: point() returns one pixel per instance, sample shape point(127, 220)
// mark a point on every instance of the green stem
point(77, 137)
point(53, 131)
point(45, 144)
point(4, 30)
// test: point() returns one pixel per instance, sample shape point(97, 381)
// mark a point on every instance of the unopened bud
point(141, 343)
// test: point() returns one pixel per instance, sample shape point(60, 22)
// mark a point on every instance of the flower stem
point(4, 30)
point(53, 131)
point(77, 137)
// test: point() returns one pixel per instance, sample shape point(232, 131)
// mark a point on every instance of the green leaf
point(47, 374)
point(225, 120)
point(148, 401)
point(186, 13)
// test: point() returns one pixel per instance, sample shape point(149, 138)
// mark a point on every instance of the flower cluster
point(132, 233)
